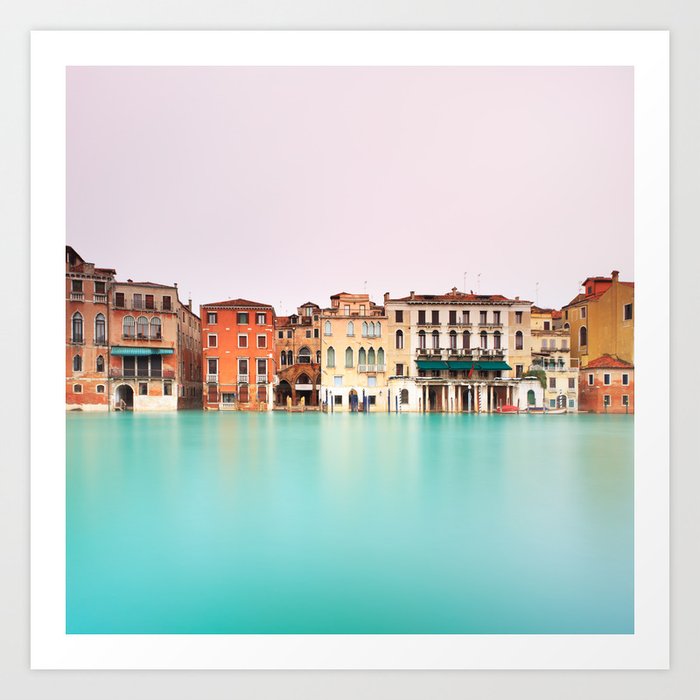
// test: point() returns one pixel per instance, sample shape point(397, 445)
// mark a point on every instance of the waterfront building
point(600, 319)
point(153, 357)
point(459, 352)
point(238, 362)
point(551, 355)
point(87, 324)
point(607, 385)
point(297, 356)
point(353, 354)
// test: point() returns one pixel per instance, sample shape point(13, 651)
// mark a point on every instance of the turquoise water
point(197, 522)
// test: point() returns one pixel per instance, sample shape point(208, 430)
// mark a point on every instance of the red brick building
point(87, 324)
point(606, 385)
point(237, 348)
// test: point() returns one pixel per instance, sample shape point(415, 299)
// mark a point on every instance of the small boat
point(508, 409)
point(543, 411)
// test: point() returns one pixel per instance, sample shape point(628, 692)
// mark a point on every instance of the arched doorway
point(561, 401)
point(124, 398)
point(284, 390)
point(352, 396)
point(530, 397)
point(303, 389)
point(467, 400)
point(404, 397)
point(432, 400)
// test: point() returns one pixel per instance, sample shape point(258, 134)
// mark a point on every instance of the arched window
point(497, 340)
point(466, 340)
point(371, 329)
point(290, 357)
point(364, 329)
point(351, 328)
point(371, 358)
point(453, 340)
point(404, 396)
point(583, 336)
point(399, 340)
point(348, 357)
point(436, 340)
point(380, 356)
point(566, 326)
point(378, 330)
point(77, 327)
point(77, 363)
point(327, 328)
point(484, 339)
point(304, 356)
point(330, 357)
point(362, 357)
point(100, 329)
point(100, 364)
point(156, 328)
point(519, 340)
point(421, 340)
point(318, 357)
point(283, 358)
point(128, 327)
point(142, 327)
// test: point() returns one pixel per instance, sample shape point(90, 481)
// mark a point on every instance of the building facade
point(353, 354)
point(297, 356)
point(238, 361)
point(87, 333)
point(459, 352)
point(600, 320)
point(607, 386)
point(551, 354)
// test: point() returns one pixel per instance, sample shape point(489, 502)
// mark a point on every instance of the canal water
point(196, 522)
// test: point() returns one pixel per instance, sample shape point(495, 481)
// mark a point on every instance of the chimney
point(517, 298)
point(130, 281)
point(615, 275)
point(386, 297)
point(454, 291)
point(189, 304)
point(412, 294)
point(175, 285)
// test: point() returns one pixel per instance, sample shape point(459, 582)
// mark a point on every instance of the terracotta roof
point(147, 284)
point(236, 303)
point(556, 314)
point(311, 303)
point(458, 297)
point(608, 362)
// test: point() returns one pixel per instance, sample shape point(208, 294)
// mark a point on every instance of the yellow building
point(600, 320)
point(353, 354)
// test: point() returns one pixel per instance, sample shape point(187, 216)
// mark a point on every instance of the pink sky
point(284, 185)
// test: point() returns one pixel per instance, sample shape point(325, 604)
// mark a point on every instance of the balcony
point(242, 378)
point(371, 368)
point(143, 373)
point(261, 379)
point(212, 378)
point(77, 296)
point(77, 340)
point(100, 298)
point(142, 336)
point(487, 324)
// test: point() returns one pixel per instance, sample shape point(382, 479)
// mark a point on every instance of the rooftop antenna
point(478, 283)
point(365, 286)
point(464, 285)
point(537, 293)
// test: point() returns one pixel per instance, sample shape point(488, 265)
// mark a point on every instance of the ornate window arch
point(156, 328)
point(330, 357)
point(380, 356)
point(77, 363)
point(77, 327)
point(466, 340)
point(128, 327)
point(327, 328)
point(349, 357)
point(399, 340)
point(351, 328)
point(142, 327)
point(583, 336)
point(421, 340)
point(100, 364)
point(362, 357)
point(371, 357)
point(100, 329)
point(519, 340)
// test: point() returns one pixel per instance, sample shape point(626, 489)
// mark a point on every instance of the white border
point(648, 647)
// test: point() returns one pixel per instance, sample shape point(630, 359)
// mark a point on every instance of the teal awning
point(117, 350)
point(485, 365)
point(431, 364)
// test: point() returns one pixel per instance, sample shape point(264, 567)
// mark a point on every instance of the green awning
point(486, 365)
point(431, 364)
point(117, 350)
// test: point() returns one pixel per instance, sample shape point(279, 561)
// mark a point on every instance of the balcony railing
point(261, 378)
point(143, 373)
point(76, 296)
point(130, 306)
point(100, 298)
point(242, 378)
point(78, 340)
point(212, 378)
point(371, 368)
point(142, 336)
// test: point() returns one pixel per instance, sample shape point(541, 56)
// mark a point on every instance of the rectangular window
point(435, 315)
point(347, 309)
point(143, 389)
point(497, 317)
point(338, 400)
point(362, 309)
point(552, 403)
point(372, 400)
point(572, 382)
point(100, 388)
point(466, 317)
point(280, 335)
point(583, 312)
point(552, 382)
point(625, 379)
point(625, 400)
point(308, 333)
point(590, 380)
point(242, 365)
point(212, 340)
point(627, 312)
point(399, 370)
point(261, 319)
point(150, 301)
point(518, 370)
point(100, 288)
point(262, 369)
point(518, 316)
point(398, 316)
point(212, 394)
point(316, 333)
point(483, 316)
point(167, 389)
point(371, 381)
point(421, 315)
point(212, 366)
point(138, 301)
point(606, 400)
point(572, 403)
point(338, 381)
point(242, 318)
point(77, 388)
point(76, 286)
point(119, 299)
point(546, 325)
point(606, 379)
point(453, 317)
point(262, 341)
point(212, 317)
point(242, 340)
point(167, 303)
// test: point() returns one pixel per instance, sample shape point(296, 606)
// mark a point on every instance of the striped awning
point(131, 351)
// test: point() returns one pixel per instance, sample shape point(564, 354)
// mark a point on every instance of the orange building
point(237, 348)
point(606, 385)
point(297, 354)
point(153, 359)
point(87, 323)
